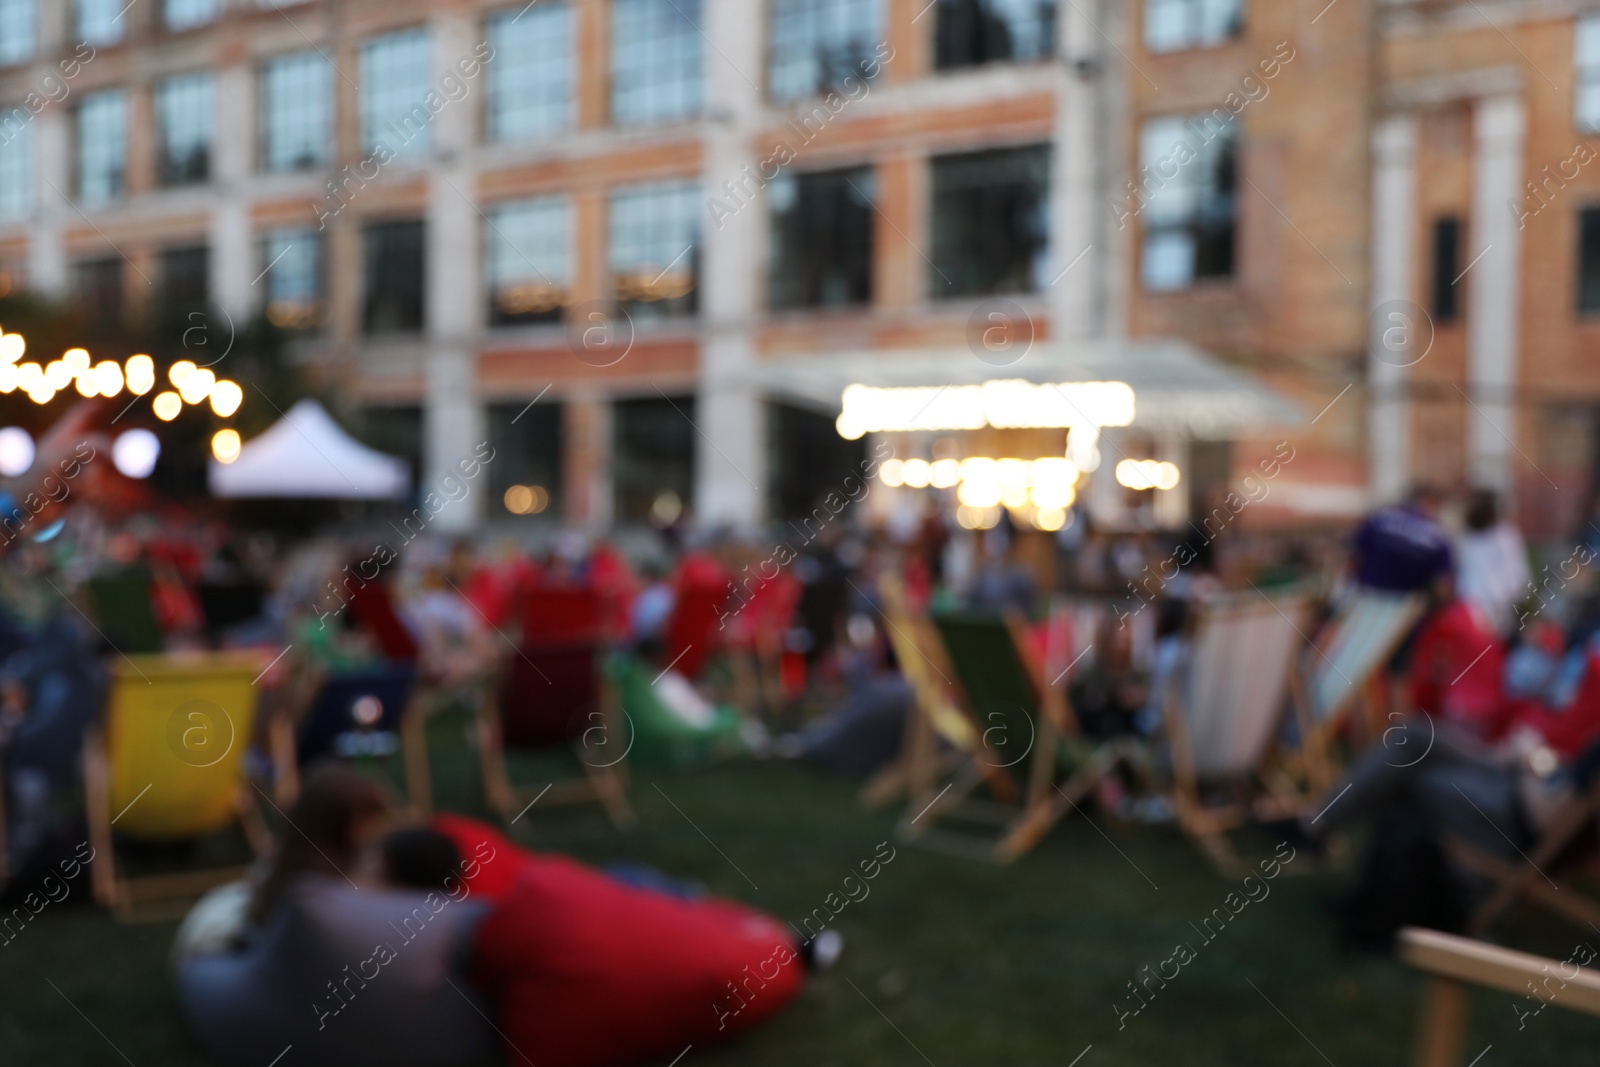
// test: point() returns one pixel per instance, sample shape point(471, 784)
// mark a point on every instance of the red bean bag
point(585, 971)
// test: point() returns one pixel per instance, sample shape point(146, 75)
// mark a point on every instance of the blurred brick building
point(664, 219)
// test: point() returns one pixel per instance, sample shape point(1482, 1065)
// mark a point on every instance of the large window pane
point(16, 164)
point(18, 30)
point(527, 453)
point(530, 79)
point(102, 146)
point(821, 238)
point(1586, 72)
point(814, 45)
point(184, 118)
point(99, 21)
point(655, 60)
point(187, 14)
point(97, 291)
point(296, 112)
point(395, 276)
point(1589, 260)
point(974, 32)
point(1189, 200)
point(185, 291)
point(1171, 25)
point(654, 248)
point(652, 454)
point(991, 227)
point(395, 76)
point(529, 252)
point(292, 261)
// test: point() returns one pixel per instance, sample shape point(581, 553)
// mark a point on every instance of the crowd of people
point(382, 939)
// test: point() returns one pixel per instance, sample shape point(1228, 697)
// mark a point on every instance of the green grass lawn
point(947, 962)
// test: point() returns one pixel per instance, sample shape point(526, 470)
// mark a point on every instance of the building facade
point(586, 230)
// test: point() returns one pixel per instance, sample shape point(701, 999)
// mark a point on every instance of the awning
point(1175, 383)
point(307, 454)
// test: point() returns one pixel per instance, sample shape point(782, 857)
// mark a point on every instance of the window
point(654, 253)
point(1589, 259)
point(655, 61)
point(530, 80)
point(102, 130)
point(1446, 268)
point(1586, 71)
point(974, 32)
point(1188, 200)
point(185, 292)
point(291, 260)
point(821, 238)
point(16, 165)
point(18, 29)
point(99, 21)
point(97, 291)
point(529, 250)
point(1171, 25)
point(296, 112)
point(184, 113)
point(815, 44)
point(991, 228)
point(395, 76)
point(527, 452)
point(187, 14)
point(652, 454)
point(395, 271)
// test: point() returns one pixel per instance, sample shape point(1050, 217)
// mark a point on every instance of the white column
point(730, 449)
point(232, 265)
point(1493, 297)
point(453, 418)
point(47, 253)
point(1394, 190)
point(1075, 313)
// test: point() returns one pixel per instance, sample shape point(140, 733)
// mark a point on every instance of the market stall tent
point(307, 454)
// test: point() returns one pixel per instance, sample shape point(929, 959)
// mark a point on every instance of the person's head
point(1424, 498)
point(419, 857)
point(339, 812)
point(1483, 510)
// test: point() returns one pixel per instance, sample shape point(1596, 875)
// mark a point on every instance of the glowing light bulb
point(225, 445)
point(180, 371)
point(9, 377)
point(197, 386)
point(57, 375)
point(86, 384)
point(167, 405)
point(12, 346)
point(226, 397)
point(141, 374)
point(76, 359)
point(108, 378)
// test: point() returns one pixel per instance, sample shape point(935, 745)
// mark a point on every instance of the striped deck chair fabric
point(1356, 643)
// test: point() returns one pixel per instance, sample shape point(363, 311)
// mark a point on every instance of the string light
point(167, 405)
point(226, 397)
point(141, 374)
point(225, 445)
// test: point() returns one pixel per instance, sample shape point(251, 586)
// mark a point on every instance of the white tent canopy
point(307, 454)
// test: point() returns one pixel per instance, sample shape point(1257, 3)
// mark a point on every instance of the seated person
point(321, 954)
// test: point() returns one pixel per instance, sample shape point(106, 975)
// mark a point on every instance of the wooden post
point(1444, 1020)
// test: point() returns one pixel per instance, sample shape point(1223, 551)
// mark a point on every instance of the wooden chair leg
point(414, 748)
point(1444, 1018)
point(285, 762)
point(492, 759)
point(97, 801)
point(254, 826)
point(608, 786)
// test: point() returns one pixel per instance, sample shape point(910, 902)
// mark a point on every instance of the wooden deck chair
point(1544, 875)
point(552, 694)
point(1224, 711)
point(364, 716)
point(167, 765)
point(1343, 666)
point(1454, 963)
point(1026, 731)
point(938, 730)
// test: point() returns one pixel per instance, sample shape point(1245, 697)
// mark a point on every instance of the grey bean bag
point(346, 976)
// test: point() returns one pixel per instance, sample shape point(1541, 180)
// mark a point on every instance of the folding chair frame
point(606, 785)
point(284, 723)
point(150, 896)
